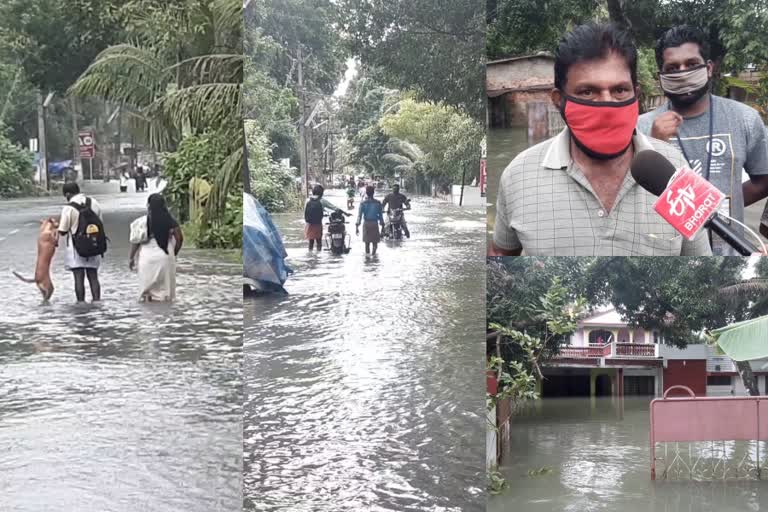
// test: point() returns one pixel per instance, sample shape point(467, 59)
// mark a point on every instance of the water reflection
point(360, 388)
point(118, 406)
point(601, 461)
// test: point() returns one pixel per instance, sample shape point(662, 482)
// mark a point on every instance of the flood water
point(118, 406)
point(599, 457)
point(364, 385)
point(504, 144)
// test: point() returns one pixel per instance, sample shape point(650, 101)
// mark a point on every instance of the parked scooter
point(337, 240)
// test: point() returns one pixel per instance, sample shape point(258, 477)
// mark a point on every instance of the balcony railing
point(636, 350)
point(611, 350)
point(590, 352)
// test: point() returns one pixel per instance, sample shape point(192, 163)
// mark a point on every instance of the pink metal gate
point(712, 419)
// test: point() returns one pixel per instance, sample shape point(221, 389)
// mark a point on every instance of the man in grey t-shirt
point(694, 119)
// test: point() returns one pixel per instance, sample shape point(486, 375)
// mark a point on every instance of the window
point(718, 380)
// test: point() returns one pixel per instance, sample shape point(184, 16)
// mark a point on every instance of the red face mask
point(602, 129)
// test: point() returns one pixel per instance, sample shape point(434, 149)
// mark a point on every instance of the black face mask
point(686, 100)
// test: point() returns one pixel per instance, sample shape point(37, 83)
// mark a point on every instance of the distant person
point(573, 195)
point(82, 227)
point(395, 200)
point(156, 240)
point(717, 136)
point(141, 180)
point(124, 178)
point(371, 212)
point(314, 211)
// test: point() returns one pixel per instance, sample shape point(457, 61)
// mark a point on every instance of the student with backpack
point(82, 227)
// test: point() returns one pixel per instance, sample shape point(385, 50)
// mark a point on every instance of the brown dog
point(47, 241)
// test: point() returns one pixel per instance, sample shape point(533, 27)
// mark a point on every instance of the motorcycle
point(337, 240)
point(395, 224)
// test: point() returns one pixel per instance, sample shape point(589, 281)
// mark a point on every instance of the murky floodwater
point(599, 458)
point(118, 406)
point(364, 385)
point(504, 144)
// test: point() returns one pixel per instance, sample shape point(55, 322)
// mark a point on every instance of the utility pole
point(302, 130)
point(41, 141)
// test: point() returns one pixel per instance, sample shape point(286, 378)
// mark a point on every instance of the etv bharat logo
point(684, 199)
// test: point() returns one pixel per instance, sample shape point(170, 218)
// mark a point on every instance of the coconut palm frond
point(409, 149)
point(158, 133)
point(203, 105)
point(124, 74)
point(756, 285)
point(223, 67)
point(395, 159)
point(228, 18)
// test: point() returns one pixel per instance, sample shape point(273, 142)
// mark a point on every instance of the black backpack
point(89, 239)
point(313, 212)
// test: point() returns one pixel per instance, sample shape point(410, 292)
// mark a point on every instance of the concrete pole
point(303, 153)
point(77, 162)
point(41, 141)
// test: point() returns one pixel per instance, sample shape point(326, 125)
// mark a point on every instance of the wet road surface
point(117, 406)
point(364, 385)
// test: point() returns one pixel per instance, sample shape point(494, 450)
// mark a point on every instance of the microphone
point(686, 200)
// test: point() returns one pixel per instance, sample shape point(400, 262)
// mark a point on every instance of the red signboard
point(688, 202)
point(87, 145)
point(483, 177)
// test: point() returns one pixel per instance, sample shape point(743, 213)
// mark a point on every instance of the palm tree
point(405, 157)
point(192, 87)
point(755, 292)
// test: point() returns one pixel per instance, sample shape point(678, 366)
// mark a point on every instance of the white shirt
point(70, 216)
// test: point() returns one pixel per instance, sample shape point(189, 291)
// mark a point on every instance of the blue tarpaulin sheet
point(58, 168)
point(263, 251)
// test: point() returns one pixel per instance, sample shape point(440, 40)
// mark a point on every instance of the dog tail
point(25, 279)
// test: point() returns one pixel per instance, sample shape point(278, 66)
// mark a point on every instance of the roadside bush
point(16, 170)
point(273, 185)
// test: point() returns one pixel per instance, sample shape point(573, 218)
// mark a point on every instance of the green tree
point(432, 48)
point(193, 90)
point(449, 138)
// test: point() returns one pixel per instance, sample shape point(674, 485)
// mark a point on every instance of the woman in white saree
point(156, 240)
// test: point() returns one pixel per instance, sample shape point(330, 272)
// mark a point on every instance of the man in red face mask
point(573, 195)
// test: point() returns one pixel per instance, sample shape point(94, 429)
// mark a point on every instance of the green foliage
point(16, 170)
point(428, 47)
point(202, 156)
point(272, 185)
point(291, 24)
point(496, 482)
point(524, 27)
point(184, 83)
point(449, 139)
point(56, 41)
point(676, 296)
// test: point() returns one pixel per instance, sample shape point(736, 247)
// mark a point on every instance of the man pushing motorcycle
point(394, 201)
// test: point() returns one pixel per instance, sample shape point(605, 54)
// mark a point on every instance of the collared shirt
point(70, 216)
point(547, 207)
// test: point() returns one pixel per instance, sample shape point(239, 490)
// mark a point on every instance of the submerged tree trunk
point(745, 372)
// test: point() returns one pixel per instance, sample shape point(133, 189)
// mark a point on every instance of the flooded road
point(599, 461)
point(364, 385)
point(117, 406)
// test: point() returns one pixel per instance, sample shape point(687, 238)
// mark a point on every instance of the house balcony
point(611, 350)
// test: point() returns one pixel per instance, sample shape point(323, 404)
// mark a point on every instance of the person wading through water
point(371, 212)
point(82, 226)
point(314, 211)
